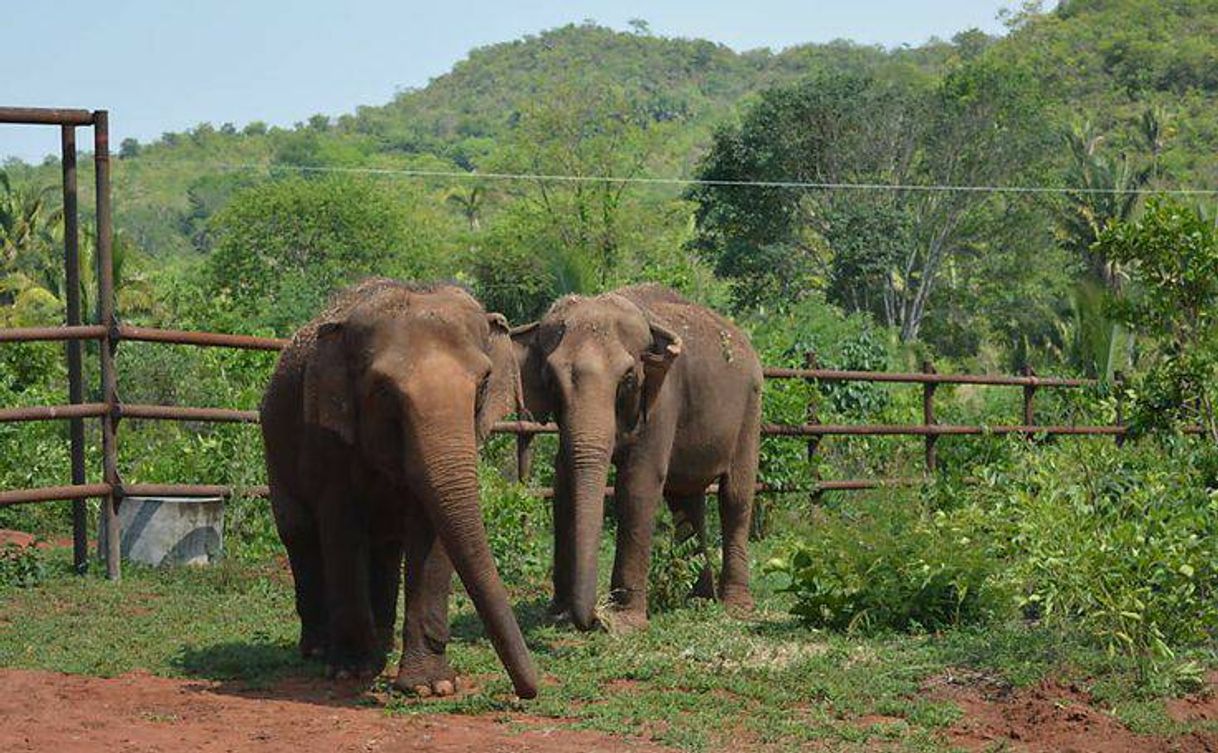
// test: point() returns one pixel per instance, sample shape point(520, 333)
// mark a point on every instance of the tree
point(280, 248)
point(595, 136)
point(1172, 256)
point(880, 250)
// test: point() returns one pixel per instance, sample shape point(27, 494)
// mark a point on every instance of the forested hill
point(693, 82)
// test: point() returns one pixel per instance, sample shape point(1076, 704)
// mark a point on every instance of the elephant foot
point(426, 676)
point(559, 615)
point(705, 587)
point(348, 672)
point(354, 665)
point(620, 621)
point(737, 601)
point(312, 646)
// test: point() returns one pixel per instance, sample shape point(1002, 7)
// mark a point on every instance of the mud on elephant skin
point(371, 424)
point(667, 391)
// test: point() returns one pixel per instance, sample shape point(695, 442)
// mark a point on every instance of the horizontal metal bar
point(52, 412)
point(213, 339)
point(53, 493)
point(51, 334)
point(822, 486)
point(833, 375)
point(921, 430)
point(45, 116)
point(191, 490)
point(183, 413)
point(524, 427)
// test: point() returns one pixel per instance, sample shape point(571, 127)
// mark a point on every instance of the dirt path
point(47, 711)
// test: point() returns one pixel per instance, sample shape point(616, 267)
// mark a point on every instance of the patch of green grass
point(697, 679)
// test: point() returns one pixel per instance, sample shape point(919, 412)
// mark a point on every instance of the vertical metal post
point(812, 416)
point(1029, 394)
point(105, 310)
point(71, 263)
point(928, 418)
point(1118, 386)
point(524, 457)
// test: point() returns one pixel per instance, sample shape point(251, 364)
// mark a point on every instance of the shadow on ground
point(271, 671)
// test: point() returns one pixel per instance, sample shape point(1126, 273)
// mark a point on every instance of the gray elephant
point(371, 424)
point(670, 393)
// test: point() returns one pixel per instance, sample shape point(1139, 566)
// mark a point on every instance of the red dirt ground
point(1058, 718)
point(47, 711)
point(22, 539)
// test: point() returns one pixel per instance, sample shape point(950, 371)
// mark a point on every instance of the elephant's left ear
point(327, 385)
point(665, 348)
point(503, 393)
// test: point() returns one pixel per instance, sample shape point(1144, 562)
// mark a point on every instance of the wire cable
point(669, 181)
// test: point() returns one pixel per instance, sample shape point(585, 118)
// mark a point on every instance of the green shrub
point(893, 566)
point(1119, 541)
point(518, 528)
point(21, 566)
point(675, 566)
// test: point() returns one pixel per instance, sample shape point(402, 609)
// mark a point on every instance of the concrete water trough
point(170, 530)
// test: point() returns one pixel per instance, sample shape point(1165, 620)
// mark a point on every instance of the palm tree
point(27, 239)
point(1106, 191)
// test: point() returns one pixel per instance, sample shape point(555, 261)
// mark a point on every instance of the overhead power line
point(669, 181)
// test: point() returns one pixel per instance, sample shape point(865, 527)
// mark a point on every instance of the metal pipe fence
point(109, 333)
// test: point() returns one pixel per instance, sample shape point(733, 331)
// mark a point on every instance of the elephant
point(670, 393)
point(371, 424)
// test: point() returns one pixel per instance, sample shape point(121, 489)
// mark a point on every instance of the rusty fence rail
point(109, 332)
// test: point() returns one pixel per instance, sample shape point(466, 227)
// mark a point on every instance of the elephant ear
point(530, 361)
point(657, 360)
point(503, 392)
point(327, 385)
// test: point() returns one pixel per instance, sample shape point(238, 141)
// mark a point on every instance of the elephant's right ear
point(327, 384)
point(531, 360)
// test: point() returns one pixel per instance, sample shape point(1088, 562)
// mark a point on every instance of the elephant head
point(412, 378)
point(598, 366)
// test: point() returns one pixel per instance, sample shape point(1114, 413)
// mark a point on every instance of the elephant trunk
point(448, 469)
point(588, 453)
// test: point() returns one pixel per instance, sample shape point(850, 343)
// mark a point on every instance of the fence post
point(1118, 385)
point(928, 418)
point(105, 310)
point(812, 416)
point(76, 393)
point(1029, 394)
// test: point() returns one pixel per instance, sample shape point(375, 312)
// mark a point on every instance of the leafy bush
point(518, 527)
point(893, 566)
point(21, 566)
point(676, 563)
point(1119, 541)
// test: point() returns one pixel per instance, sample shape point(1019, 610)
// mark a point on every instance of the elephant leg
point(353, 649)
point(736, 491)
point(385, 572)
point(298, 531)
point(637, 492)
point(689, 520)
point(424, 668)
point(564, 541)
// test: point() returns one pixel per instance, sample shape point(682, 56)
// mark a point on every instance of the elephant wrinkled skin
point(371, 423)
point(670, 393)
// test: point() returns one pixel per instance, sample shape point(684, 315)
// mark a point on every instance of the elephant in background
point(670, 393)
point(371, 424)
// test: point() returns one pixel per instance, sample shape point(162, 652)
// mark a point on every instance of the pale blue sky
point(166, 65)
